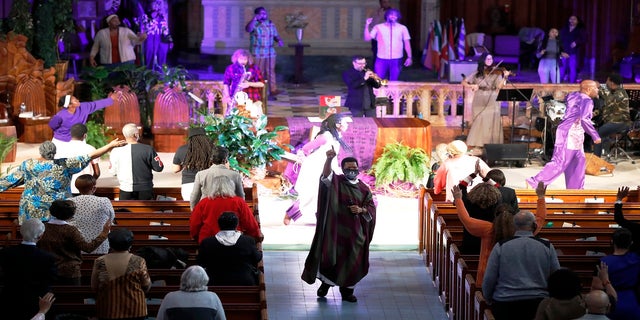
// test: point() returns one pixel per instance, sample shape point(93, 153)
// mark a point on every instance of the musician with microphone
point(392, 37)
point(486, 123)
point(360, 82)
point(263, 36)
point(241, 75)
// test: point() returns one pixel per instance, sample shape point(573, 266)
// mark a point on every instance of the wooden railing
point(431, 99)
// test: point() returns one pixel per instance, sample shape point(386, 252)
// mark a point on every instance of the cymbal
point(525, 139)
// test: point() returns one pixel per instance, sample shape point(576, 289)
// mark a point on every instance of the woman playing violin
point(486, 123)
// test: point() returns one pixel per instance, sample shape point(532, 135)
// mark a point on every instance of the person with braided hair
point(192, 157)
point(311, 157)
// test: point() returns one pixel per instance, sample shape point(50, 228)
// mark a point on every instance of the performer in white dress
point(312, 157)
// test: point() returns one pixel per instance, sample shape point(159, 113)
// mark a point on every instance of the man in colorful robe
point(339, 254)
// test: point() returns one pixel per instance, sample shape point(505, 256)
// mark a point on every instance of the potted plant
point(400, 168)
point(6, 144)
point(296, 21)
point(250, 144)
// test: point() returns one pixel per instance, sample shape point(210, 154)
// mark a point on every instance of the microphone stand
point(513, 116)
point(463, 124)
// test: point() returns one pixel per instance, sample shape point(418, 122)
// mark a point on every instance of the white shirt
point(390, 39)
point(126, 41)
point(75, 148)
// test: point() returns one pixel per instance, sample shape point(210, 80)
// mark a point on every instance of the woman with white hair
point(204, 218)
point(28, 273)
point(46, 179)
point(456, 167)
point(193, 301)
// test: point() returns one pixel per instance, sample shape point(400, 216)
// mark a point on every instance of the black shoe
point(323, 290)
point(272, 98)
point(350, 298)
point(347, 295)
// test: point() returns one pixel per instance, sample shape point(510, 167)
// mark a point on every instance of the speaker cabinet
point(457, 68)
point(506, 152)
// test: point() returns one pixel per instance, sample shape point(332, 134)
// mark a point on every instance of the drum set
point(547, 124)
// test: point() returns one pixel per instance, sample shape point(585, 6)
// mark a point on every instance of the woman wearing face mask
point(311, 157)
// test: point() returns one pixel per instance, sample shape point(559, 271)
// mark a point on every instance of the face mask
point(351, 174)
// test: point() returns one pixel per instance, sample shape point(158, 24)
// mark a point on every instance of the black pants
point(369, 113)
point(519, 309)
point(136, 195)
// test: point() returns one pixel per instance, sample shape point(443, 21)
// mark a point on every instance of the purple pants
point(155, 48)
point(388, 67)
point(570, 162)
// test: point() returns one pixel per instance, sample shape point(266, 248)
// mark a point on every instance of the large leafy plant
point(250, 144)
point(97, 134)
point(6, 144)
point(400, 163)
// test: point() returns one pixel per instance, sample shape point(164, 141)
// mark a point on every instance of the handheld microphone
point(463, 75)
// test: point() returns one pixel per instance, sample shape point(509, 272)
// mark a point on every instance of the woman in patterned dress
point(46, 179)
point(120, 280)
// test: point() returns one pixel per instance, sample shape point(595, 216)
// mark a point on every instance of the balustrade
point(436, 102)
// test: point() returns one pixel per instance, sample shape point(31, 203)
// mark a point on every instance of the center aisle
point(397, 287)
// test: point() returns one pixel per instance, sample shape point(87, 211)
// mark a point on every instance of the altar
point(367, 137)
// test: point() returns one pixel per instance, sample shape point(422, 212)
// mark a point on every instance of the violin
point(499, 71)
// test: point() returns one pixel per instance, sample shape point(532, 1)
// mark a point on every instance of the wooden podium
point(34, 130)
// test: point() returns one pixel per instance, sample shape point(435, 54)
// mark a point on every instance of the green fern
point(6, 144)
point(400, 163)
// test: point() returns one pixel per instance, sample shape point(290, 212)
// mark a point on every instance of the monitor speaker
point(515, 152)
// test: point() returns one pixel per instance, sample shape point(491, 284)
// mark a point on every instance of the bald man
point(568, 153)
point(598, 305)
point(515, 281)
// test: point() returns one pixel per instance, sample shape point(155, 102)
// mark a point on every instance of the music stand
point(514, 95)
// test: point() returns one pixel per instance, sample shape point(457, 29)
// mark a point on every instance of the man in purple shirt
point(73, 112)
point(568, 152)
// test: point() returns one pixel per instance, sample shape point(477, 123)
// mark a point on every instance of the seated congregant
point(230, 257)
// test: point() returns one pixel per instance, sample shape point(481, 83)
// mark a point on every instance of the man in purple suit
point(568, 152)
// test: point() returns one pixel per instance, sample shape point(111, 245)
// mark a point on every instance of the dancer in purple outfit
point(568, 152)
point(73, 112)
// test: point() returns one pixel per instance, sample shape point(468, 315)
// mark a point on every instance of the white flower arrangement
point(296, 20)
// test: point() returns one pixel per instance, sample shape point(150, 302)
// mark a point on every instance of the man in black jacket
point(27, 273)
point(360, 83)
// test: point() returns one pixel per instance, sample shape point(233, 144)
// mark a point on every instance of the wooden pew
point(176, 212)
point(239, 302)
point(251, 193)
point(529, 195)
point(426, 201)
point(452, 271)
point(585, 215)
point(563, 239)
